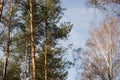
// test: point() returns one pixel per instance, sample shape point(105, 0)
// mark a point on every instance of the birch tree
point(110, 6)
point(101, 58)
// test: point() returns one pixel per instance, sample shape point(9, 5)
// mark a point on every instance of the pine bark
point(1, 7)
point(32, 43)
point(45, 62)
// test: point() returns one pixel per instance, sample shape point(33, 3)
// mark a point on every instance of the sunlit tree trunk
point(7, 45)
point(1, 7)
point(45, 62)
point(32, 43)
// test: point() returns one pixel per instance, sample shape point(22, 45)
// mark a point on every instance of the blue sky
point(81, 16)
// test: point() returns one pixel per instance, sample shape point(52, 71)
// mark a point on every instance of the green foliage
point(56, 65)
point(47, 32)
point(1, 68)
point(52, 33)
point(63, 30)
point(13, 72)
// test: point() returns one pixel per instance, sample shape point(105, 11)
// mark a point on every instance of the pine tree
point(5, 41)
point(50, 63)
point(1, 68)
point(51, 57)
point(42, 38)
point(7, 44)
point(13, 72)
point(32, 41)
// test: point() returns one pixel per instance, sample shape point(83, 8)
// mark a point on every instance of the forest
point(34, 35)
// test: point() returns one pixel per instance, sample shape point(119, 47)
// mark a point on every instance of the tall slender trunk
point(45, 62)
point(32, 42)
point(7, 45)
point(29, 58)
point(46, 51)
point(110, 72)
point(26, 59)
point(29, 62)
point(1, 7)
point(111, 47)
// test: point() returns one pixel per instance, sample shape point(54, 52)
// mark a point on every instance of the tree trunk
point(110, 55)
point(1, 8)
point(26, 59)
point(7, 45)
point(45, 61)
point(29, 58)
point(32, 43)
point(110, 72)
point(46, 50)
